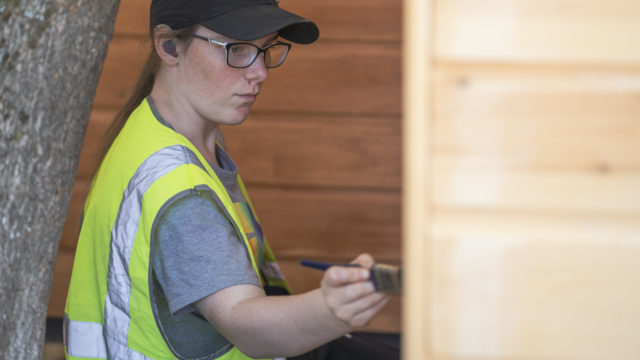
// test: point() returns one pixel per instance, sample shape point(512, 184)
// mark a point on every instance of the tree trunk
point(51, 56)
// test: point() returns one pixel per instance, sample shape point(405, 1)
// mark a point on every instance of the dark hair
point(142, 88)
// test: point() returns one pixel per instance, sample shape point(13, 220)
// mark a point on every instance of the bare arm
point(270, 326)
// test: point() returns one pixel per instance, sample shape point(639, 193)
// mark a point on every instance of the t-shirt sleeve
point(195, 252)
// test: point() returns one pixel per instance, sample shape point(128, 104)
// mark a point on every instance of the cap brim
point(255, 22)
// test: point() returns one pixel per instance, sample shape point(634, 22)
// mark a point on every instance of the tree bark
point(51, 56)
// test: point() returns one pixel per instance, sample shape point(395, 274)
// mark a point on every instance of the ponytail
point(143, 88)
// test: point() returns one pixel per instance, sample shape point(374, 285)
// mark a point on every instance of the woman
point(171, 261)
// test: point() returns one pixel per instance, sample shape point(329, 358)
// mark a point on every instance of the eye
point(241, 49)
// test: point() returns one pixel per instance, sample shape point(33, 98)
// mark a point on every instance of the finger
point(358, 313)
point(365, 260)
point(367, 302)
point(365, 317)
point(342, 300)
point(337, 276)
point(351, 292)
point(374, 303)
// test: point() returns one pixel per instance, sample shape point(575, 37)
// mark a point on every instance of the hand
point(350, 295)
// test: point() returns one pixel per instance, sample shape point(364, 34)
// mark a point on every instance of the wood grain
point(120, 72)
point(576, 118)
point(528, 31)
point(533, 139)
point(564, 295)
point(360, 20)
point(329, 224)
point(354, 20)
point(530, 230)
point(326, 77)
point(295, 150)
point(354, 78)
point(133, 18)
point(318, 151)
point(417, 155)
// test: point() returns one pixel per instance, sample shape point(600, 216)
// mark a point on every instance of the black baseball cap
point(237, 19)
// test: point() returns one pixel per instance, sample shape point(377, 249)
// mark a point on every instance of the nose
point(258, 71)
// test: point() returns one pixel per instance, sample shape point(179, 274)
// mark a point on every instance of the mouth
point(248, 97)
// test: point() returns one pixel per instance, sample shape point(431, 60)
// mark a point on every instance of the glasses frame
point(263, 50)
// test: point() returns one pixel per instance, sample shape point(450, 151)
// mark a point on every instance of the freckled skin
point(216, 91)
point(197, 91)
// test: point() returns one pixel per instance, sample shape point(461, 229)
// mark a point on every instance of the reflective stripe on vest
point(86, 339)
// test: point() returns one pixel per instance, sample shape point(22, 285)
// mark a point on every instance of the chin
point(241, 116)
point(234, 123)
point(236, 120)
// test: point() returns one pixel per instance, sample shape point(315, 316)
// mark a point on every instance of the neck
point(200, 132)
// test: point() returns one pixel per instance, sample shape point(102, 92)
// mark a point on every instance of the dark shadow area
point(357, 346)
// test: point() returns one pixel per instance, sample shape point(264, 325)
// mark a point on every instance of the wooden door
point(522, 179)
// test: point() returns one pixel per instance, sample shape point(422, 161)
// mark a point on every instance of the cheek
point(210, 80)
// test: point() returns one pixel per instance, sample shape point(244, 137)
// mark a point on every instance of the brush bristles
point(387, 278)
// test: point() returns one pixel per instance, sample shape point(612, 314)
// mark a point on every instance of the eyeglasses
point(243, 54)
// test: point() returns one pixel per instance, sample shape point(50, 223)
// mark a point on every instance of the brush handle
point(385, 278)
point(323, 265)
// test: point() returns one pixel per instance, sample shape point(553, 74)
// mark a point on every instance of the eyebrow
point(271, 39)
point(267, 41)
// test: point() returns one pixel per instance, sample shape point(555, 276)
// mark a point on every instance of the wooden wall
point(524, 196)
point(320, 153)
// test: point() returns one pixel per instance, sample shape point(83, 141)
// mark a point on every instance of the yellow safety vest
point(108, 313)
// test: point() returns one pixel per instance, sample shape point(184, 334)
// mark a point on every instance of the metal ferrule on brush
point(387, 278)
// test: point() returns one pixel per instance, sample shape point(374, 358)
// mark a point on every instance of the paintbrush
point(385, 278)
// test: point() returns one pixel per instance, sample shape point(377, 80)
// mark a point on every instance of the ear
point(166, 45)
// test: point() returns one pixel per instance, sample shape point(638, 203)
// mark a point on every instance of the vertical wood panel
point(531, 206)
point(417, 157)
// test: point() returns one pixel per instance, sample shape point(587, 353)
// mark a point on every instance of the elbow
point(255, 352)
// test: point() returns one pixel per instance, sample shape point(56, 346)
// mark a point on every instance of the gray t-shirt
point(195, 252)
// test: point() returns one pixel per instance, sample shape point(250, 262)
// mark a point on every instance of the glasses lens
point(241, 55)
point(274, 55)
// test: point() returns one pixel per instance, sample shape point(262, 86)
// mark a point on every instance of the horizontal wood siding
point(572, 32)
point(363, 78)
point(535, 226)
point(292, 150)
point(320, 153)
